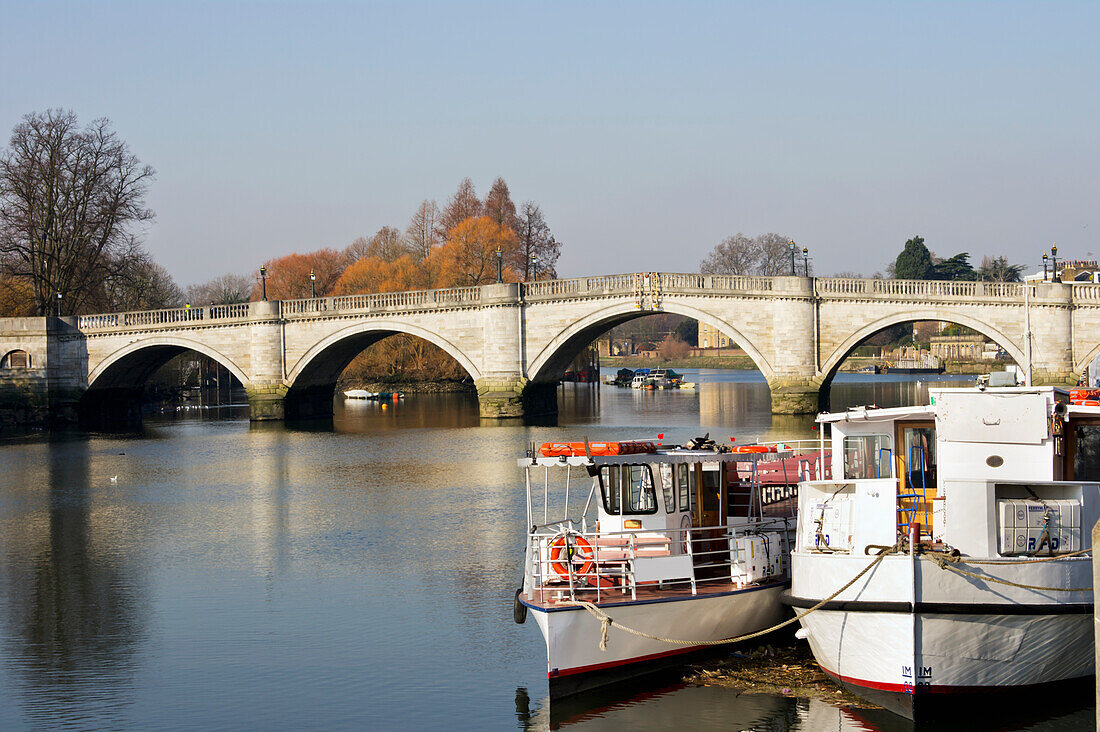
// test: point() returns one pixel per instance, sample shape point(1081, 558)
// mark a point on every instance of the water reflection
point(352, 574)
point(70, 595)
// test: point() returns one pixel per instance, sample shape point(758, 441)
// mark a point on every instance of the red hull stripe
point(932, 689)
point(612, 664)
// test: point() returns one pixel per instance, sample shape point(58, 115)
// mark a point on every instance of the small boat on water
point(668, 542)
point(375, 395)
point(959, 532)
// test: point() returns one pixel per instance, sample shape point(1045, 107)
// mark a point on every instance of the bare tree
point(538, 250)
point(357, 250)
point(422, 234)
point(387, 244)
point(464, 204)
point(734, 255)
point(68, 199)
point(766, 254)
point(224, 290)
point(141, 284)
point(775, 255)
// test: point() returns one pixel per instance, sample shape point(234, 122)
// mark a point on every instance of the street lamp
point(59, 304)
point(1054, 266)
point(534, 267)
point(312, 283)
point(500, 265)
point(806, 259)
point(263, 283)
point(1045, 266)
point(790, 245)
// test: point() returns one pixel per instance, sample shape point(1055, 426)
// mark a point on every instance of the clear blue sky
point(647, 132)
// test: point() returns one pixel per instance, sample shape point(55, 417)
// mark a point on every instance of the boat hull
point(575, 662)
point(957, 639)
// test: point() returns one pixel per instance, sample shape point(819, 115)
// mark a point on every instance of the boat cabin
point(674, 516)
point(987, 471)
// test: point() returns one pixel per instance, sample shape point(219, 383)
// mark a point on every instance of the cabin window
point(682, 472)
point(1086, 453)
point(712, 490)
point(16, 360)
point(628, 489)
point(669, 488)
point(868, 456)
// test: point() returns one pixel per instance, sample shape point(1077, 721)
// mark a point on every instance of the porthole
point(994, 461)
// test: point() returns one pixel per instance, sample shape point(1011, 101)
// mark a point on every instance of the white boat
point(360, 394)
point(975, 513)
point(660, 379)
point(667, 542)
point(640, 381)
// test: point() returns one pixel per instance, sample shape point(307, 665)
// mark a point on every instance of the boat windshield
point(627, 489)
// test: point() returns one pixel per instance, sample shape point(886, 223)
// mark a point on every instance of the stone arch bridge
point(515, 340)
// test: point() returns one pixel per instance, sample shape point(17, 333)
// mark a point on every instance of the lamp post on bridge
point(500, 265)
point(1044, 266)
point(790, 245)
point(263, 283)
point(1054, 266)
point(312, 283)
point(59, 304)
point(806, 260)
point(534, 268)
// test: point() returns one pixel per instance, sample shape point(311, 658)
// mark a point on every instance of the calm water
point(354, 574)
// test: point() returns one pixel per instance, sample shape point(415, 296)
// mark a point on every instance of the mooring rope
point(606, 621)
point(947, 561)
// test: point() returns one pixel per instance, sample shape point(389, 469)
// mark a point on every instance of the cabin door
point(711, 494)
point(915, 460)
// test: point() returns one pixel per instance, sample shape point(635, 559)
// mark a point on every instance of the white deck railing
point(604, 565)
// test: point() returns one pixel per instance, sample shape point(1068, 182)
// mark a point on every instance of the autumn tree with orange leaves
point(288, 277)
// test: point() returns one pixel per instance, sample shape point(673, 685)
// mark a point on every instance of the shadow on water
point(70, 597)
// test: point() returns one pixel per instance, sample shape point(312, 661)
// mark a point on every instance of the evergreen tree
point(915, 261)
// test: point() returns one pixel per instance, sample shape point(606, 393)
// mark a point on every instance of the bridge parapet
point(172, 317)
point(893, 289)
point(386, 301)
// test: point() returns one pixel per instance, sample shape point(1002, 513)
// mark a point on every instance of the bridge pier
point(268, 402)
point(513, 397)
point(795, 396)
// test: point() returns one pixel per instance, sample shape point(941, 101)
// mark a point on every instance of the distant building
point(711, 337)
point(962, 348)
point(1070, 271)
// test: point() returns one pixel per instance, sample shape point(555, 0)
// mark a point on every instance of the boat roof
point(872, 413)
point(674, 455)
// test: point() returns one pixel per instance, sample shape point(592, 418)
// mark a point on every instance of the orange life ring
point(579, 547)
point(753, 448)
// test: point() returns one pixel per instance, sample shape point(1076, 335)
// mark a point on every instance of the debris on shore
point(778, 670)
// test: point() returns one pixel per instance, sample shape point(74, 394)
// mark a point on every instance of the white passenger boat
point(975, 513)
point(666, 542)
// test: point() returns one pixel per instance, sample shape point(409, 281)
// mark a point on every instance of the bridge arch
point(841, 352)
point(311, 381)
point(1079, 368)
point(134, 363)
point(115, 384)
point(552, 360)
point(355, 338)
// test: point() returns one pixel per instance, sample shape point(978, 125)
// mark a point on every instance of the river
point(354, 574)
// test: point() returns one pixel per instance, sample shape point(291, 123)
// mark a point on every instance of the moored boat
point(668, 543)
point(958, 534)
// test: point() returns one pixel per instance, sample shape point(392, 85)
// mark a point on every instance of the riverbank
point(742, 361)
point(441, 386)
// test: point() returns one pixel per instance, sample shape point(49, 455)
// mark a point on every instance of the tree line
point(770, 255)
point(73, 217)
